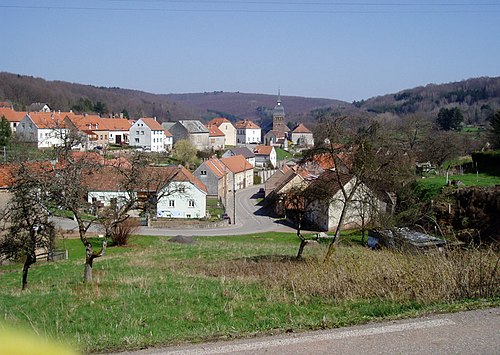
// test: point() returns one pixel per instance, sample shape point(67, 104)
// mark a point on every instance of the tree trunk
point(30, 260)
point(331, 246)
point(303, 243)
point(89, 258)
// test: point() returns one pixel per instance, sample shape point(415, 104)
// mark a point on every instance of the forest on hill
point(476, 98)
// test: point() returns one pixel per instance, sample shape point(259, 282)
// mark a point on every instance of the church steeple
point(279, 116)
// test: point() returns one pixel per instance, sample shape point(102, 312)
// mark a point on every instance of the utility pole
point(234, 198)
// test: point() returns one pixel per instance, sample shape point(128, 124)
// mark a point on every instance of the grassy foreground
point(154, 292)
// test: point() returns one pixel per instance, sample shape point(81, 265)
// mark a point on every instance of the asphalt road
point(250, 218)
point(473, 332)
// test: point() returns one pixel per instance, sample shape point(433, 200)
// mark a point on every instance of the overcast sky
point(347, 50)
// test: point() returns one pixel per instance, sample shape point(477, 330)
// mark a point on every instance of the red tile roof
point(301, 129)
point(11, 115)
point(216, 166)
point(218, 121)
point(246, 124)
point(263, 150)
point(152, 123)
point(50, 120)
point(237, 164)
point(214, 131)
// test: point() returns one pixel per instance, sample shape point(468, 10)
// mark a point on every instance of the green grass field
point(154, 292)
point(429, 187)
point(282, 154)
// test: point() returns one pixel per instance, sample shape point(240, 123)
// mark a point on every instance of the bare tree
point(26, 219)
point(362, 156)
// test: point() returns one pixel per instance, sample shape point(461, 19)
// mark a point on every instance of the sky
point(346, 50)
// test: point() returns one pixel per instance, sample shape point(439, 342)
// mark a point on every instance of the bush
point(123, 231)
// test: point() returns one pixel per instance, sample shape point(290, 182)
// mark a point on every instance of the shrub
point(124, 230)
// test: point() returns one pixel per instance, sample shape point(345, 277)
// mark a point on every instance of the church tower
point(279, 117)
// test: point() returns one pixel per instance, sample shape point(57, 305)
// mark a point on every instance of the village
point(247, 154)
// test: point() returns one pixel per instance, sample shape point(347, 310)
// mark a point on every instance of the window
point(191, 203)
point(188, 216)
point(142, 132)
point(171, 203)
point(137, 140)
point(137, 132)
point(203, 172)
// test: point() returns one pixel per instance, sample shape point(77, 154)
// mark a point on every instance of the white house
point(325, 212)
point(184, 197)
point(302, 136)
point(247, 132)
point(265, 155)
point(148, 134)
point(227, 128)
point(45, 129)
point(118, 129)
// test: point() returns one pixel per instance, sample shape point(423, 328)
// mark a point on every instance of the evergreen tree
point(450, 119)
point(495, 130)
point(5, 132)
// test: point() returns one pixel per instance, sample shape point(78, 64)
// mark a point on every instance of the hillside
point(476, 98)
point(252, 106)
point(24, 90)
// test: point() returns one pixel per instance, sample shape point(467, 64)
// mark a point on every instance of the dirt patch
point(181, 239)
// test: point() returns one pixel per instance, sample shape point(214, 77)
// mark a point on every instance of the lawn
point(431, 186)
point(282, 154)
point(154, 292)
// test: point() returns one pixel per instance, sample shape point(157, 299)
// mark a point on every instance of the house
point(247, 132)
point(240, 172)
point(325, 212)
point(227, 128)
point(14, 117)
point(247, 153)
point(276, 139)
point(265, 155)
point(104, 188)
point(183, 197)
point(92, 127)
point(118, 129)
point(39, 107)
point(216, 138)
point(302, 136)
point(45, 129)
point(148, 134)
point(191, 130)
point(213, 174)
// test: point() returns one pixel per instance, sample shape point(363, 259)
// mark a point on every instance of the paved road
point(474, 332)
point(249, 219)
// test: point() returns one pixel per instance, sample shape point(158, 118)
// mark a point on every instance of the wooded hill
point(477, 98)
point(24, 90)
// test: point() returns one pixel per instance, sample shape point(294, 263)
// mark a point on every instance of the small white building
point(247, 132)
point(148, 134)
point(302, 136)
point(265, 155)
point(45, 129)
point(184, 197)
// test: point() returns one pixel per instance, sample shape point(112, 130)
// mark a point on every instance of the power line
point(281, 10)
